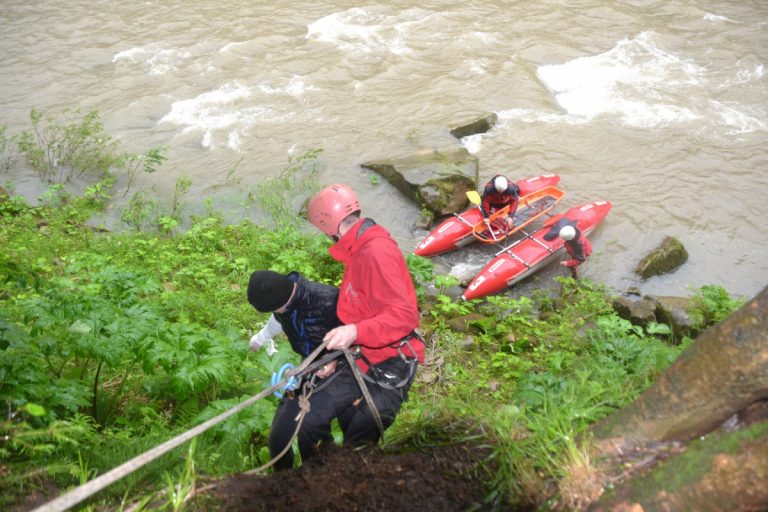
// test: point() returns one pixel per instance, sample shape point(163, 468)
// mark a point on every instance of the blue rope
point(292, 383)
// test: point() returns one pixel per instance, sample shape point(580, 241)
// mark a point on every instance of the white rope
point(78, 494)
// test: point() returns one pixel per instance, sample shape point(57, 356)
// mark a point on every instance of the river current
point(660, 107)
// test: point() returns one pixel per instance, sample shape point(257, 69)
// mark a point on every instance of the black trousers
point(341, 398)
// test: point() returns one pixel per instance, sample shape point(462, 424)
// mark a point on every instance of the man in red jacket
point(377, 304)
point(577, 246)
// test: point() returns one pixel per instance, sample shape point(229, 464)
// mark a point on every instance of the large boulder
point(665, 258)
point(480, 125)
point(673, 311)
point(638, 311)
point(437, 180)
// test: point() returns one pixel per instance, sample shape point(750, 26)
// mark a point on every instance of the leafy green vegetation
point(112, 343)
point(7, 154)
point(65, 146)
point(279, 196)
point(533, 386)
point(711, 304)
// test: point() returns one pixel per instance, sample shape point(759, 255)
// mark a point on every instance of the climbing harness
point(364, 389)
point(309, 387)
point(381, 378)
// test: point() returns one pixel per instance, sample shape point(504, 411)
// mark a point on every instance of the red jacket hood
point(349, 244)
point(376, 293)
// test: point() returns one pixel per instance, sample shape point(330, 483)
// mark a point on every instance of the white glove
point(257, 340)
point(265, 335)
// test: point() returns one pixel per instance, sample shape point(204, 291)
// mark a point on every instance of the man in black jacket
point(304, 311)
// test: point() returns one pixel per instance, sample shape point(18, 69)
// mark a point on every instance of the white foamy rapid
point(473, 143)
point(635, 80)
point(232, 108)
point(296, 88)
point(158, 60)
point(364, 31)
point(641, 85)
point(217, 110)
point(715, 17)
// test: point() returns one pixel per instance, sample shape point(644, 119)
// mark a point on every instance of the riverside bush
point(66, 146)
point(143, 335)
point(7, 154)
point(533, 386)
point(111, 343)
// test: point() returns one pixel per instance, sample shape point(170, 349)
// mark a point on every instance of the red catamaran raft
point(457, 231)
point(529, 254)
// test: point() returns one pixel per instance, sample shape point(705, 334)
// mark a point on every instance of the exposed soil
point(342, 479)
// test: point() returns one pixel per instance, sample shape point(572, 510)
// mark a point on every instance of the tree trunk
point(722, 375)
point(723, 372)
point(724, 471)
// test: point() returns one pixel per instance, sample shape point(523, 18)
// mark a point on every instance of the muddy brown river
point(660, 107)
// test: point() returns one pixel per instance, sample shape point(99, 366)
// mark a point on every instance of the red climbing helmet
point(330, 206)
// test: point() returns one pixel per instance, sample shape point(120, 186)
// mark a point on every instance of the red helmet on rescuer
point(330, 206)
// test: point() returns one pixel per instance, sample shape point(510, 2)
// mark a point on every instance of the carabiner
point(292, 383)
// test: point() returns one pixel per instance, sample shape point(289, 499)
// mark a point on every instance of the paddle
point(474, 198)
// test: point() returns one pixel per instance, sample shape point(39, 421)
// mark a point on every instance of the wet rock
point(454, 292)
point(431, 292)
point(665, 258)
point(622, 306)
point(753, 413)
point(673, 311)
point(430, 295)
point(638, 311)
point(425, 221)
point(462, 323)
point(437, 181)
point(464, 272)
point(481, 125)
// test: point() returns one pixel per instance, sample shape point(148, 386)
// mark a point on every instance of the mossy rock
point(437, 181)
point(673, 311)
point(665, 258)
point(467, 323)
